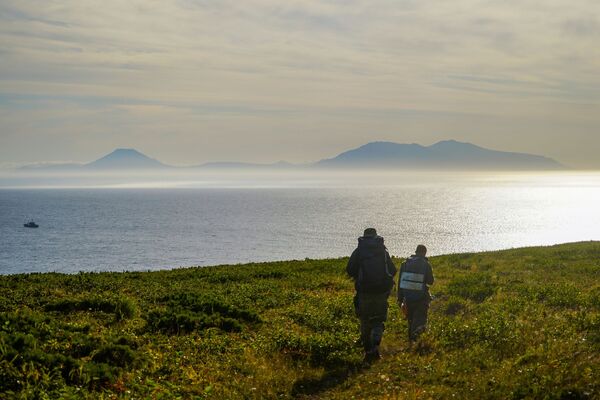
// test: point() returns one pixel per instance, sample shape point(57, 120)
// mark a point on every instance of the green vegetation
point(512, 324)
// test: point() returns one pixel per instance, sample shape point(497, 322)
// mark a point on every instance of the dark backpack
point(374, 275)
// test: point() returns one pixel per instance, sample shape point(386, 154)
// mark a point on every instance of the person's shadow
point(330, 379)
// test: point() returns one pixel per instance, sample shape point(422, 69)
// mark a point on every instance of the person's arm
point(400, 293)
point(390, 264)
point(352, 267)
point(429, 274)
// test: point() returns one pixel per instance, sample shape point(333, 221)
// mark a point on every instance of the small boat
point(31, 224)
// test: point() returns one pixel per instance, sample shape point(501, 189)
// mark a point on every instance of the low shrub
point(35, 351)
point(475, 286)
point(209, 305)
point(454, 306)
point(589, 323)
point(327, 349)
point(82, 345)
point(25, 321)
point(269, 275)
point(187, 312)
point(97, 375)
point(122, 307)
point(593, 298)
point(10, 376)
point(118, 355)
point(180, 321)
point(564, 295)
point(322, 315)
point(493, 330)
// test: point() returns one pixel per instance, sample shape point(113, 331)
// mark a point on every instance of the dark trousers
point(372, 311)
point(417, 318)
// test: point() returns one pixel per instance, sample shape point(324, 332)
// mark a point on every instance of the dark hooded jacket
point(371, 267)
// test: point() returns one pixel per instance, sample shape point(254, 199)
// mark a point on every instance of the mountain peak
point(125, 151)
point(383, 144)
point(125, 158)
point(451, 143)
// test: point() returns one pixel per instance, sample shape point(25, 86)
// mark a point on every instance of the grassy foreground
point(512, 324)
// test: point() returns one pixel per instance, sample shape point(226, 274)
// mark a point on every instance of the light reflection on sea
point(237, 219)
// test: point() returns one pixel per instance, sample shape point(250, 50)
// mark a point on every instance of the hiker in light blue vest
point(413, 291)
point(373, 272)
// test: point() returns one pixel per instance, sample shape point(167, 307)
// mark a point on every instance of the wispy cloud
point(585, 26)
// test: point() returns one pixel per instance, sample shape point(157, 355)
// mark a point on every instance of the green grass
point(513, 324)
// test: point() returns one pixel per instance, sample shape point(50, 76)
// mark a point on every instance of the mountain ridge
point(445, 154)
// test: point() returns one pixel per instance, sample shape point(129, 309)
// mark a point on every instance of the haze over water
point(234, 219)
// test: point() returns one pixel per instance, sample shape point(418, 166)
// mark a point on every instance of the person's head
point(370, 232)
point(421, 250)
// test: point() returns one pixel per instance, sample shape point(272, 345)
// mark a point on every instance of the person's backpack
point(412, 280)
point(374, 275)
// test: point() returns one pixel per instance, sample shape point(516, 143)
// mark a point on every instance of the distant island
point(126, 159)
point(449, 154)
point(119, 159)
point(446, 154)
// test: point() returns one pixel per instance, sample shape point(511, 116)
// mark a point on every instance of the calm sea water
point(145, 229)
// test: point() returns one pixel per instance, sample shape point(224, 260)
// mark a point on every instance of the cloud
point(588, 26)
point(349, 71)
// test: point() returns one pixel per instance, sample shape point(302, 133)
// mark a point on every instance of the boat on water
point(31, 224)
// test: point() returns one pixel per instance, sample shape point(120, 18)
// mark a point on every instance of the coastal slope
point(520, 323)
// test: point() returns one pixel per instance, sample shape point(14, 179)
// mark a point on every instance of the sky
point(189, 82)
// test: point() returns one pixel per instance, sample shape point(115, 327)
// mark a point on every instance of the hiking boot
point(371, 356)
point(376, 355)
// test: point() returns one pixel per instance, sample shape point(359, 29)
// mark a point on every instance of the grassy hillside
point(512, 324)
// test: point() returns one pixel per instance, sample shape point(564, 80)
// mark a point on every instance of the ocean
point(150, 228)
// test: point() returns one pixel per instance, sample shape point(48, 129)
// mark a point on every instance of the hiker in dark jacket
point(413, 292)
point(373, 272)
